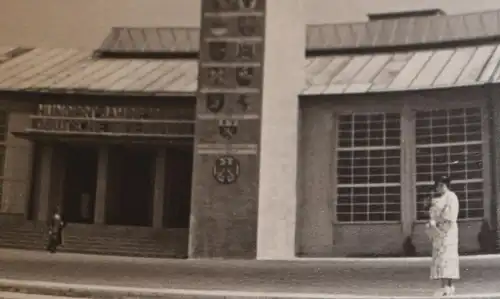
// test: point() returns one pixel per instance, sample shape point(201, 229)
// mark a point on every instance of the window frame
point(387, 106)
point(485, 149)
point(407, 106)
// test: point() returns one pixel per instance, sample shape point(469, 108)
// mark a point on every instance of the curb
point(107, 292)
point(304, 260)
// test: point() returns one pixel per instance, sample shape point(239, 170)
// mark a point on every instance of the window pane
point(450, 143)
point(369, 167)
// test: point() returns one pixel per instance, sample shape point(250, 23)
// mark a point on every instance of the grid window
point(449, 142)
point(369, 167)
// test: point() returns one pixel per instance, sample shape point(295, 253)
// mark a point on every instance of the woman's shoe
point(449, 291)
point(441, 292)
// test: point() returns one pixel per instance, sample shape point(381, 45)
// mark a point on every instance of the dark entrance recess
point(80, 183)
point(177, 197)
point(131, 186)
point(32, 203)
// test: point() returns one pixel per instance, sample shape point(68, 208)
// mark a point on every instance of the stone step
point(121, 251)
point(127, 241)
point(91, 244)
point(92, 249)
point(91, 240)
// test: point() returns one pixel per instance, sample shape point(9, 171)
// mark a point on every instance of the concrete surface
point(12, 295)
point(308, 278)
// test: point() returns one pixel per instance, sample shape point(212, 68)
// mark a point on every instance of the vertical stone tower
point(244, 200)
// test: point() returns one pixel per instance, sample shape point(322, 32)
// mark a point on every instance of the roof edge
point(391, 35)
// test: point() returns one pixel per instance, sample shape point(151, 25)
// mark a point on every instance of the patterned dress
point(445, 259)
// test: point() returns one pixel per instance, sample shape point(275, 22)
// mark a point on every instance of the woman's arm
point(449, 214)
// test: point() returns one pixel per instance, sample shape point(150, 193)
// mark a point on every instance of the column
point(282, 83)
point(44, 182)
point(494, 123)
point(101, 186)
point(408, 204)
point(159, 189)
point(17, 164)
point(316, 201)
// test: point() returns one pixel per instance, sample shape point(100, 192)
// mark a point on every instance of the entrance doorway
point(80, 183)
point(131, 185)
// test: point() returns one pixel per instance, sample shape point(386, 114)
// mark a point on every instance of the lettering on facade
point(226, 170)
point(114, 120)
point(228, 128)
point(128, 112)
point(214, 102)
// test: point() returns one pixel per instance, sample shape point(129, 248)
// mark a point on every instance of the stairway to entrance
point(95, 239)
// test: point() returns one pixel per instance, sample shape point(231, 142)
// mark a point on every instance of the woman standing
point(443, 231)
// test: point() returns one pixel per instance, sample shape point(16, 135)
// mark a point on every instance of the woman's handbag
point(431, 231)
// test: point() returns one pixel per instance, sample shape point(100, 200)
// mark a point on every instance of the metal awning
point(73, 71)
point(396, 32)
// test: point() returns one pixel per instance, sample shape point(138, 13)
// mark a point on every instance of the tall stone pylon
point(244, 201)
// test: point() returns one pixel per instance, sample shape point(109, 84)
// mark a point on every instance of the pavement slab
point(325, 278)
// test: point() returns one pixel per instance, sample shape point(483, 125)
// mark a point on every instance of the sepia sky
point(85, 23)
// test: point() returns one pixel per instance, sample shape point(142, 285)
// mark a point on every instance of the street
point(378, 278)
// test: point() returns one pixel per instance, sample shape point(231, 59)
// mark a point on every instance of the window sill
point(459, 220)
point(366, 222)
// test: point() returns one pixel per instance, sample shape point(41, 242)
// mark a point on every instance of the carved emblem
point(247, 4)
point(243, 102)
point(216, 76)
point(217, 50)
point(228, 128)
point(245, 51)
point(244, 76)
point(233, 4)
point(226, 170)
point(224, 4)
point(219, 28)
point(214, 102)
point(248, 25)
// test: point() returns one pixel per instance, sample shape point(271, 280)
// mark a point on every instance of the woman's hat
point(442, 180)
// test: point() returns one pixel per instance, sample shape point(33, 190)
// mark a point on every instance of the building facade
point(108, 135)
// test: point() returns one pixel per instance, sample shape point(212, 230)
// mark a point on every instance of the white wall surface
point(85, 23)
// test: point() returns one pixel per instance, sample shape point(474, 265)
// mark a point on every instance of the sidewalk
point(82, 275)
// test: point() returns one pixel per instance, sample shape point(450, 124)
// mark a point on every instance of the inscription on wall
point(113, 120)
